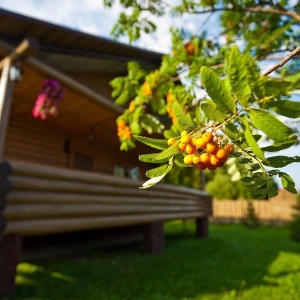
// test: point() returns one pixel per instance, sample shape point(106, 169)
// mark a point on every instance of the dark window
point(83, 162)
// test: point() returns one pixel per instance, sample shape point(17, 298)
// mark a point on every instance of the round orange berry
point(207, 137)
point(212, 147)
point(184, 132)
point(181, 147)
point(229, 148)
point(222, 153)
point(190, 149)
point(205, 158)
point(185, 139)
point(196, 159)
point(188, 160)
point(201, 166)
point(211, 167)
point(200, 143)
point(171, 141)
point(214, 160)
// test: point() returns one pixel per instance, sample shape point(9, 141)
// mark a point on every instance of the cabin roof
point(70, 50)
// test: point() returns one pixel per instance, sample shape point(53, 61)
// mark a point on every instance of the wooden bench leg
point(154, 237)
point(10, 255)
point(202, 227)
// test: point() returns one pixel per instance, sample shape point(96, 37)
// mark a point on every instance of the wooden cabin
point(65, 173)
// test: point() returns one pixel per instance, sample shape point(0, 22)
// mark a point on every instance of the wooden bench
point(39, 200)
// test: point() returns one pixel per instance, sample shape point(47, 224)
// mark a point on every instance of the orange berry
point(146, 89)
point(171, 141)
point(194, 140)
point(214, 160)
point(188, 160)
point(184, 132)
point(207, 137)
point(229, 148)
point(201, 166)
point(131, 106)
point(185, 139)
point(200, 143)
point(196, 159)
point(222, 153)
point(181, 147)
point(212, 147)
point(211, 167)
point(190, 48)
point(205, 158)
point(190, 149)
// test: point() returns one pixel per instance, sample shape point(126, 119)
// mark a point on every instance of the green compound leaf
point(287, 182)
point(270, 125)
point(183, 120)
point(212, 112)
point(252, 142)
point(281, 146)
point(157, 174)
point(282, 161)
point(290, 109)
point(149, 158)
point(238, 71)
point(217, 91)
point(154, 143)
point(170, 151)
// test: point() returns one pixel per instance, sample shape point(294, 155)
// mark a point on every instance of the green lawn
point(233, 263)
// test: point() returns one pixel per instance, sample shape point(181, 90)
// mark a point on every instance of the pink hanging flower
point(48, 100)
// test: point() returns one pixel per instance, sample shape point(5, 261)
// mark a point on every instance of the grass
point(233, 263)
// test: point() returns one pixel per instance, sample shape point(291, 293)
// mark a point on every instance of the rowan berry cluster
point(147, 89)
point(205, 152)
point(170, 100)
point(124, 130)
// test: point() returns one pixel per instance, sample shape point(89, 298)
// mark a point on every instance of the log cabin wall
point(33, 142)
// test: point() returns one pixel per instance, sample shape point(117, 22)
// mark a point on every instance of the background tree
point(213, 92)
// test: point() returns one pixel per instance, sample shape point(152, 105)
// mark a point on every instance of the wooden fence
point(277, 209)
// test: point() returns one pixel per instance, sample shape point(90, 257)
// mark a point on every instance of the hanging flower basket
point(48, 100)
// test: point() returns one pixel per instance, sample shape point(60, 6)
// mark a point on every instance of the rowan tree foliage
point(213, 87)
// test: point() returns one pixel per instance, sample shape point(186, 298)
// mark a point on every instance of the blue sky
point(90, 16)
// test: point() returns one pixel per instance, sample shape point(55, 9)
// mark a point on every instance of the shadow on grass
point(233, 258)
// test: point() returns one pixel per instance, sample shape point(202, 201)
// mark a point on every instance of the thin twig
point(284, 61)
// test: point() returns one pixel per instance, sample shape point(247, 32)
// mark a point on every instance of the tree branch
point(257, 9)
point(283, 62)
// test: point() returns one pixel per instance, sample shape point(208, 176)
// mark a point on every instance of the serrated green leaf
point(270, 125)
point(152, 181)
point(149, 158)
point(282, 161)
point(212, 112)
point(156, 172)
point(183, 120)
point(287, 182)
point(255, 167)
point(217, 91)
point(287, 108)
point(154, 143)
point(232, 132)
point(252, 142)
point(247, 179)
point(281, 146)
point(170, 151)
point(237, 72)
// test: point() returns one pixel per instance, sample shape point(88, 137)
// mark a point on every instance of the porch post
point(202, 227)
point(154, 237)
point(10, 255)
point(6, 89)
